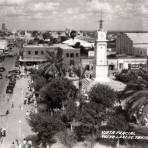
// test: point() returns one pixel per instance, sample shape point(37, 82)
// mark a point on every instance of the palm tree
point(80, 72)
point(54, 65)
point(137, 105)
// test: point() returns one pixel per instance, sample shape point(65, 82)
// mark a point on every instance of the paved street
point(15, 123)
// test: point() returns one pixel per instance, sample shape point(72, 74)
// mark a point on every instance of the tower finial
point(101, 21)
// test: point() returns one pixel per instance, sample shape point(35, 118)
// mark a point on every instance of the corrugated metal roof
point(138, 37)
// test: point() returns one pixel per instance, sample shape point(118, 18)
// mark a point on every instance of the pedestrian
point(12, 106)
point(7, 112)
point(3, 132)
point(28, 100)
point(21, 107)
point(27, 113)
point(24, 141)
point(29, 143)
point(17, 142)
point(25, 101)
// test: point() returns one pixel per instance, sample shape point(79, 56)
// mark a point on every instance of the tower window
point(77, 55)
point(36, 52)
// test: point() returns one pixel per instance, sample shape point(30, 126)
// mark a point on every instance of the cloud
point(72, 10)
point(12, 2)
point(96, 5)
point(47, 6)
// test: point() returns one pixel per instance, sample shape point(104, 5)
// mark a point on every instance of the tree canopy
point(57, 91)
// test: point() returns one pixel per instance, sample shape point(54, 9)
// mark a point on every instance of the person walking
point(12, 105)
point(13, 145)
point(17, 142)
point(25, 101)
point(7, 112)
point(29, 143)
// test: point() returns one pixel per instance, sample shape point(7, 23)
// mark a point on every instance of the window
point(71, 55)
point(121, 65)
point(42, 52)
point(29, 52)
point(77, 55)
point(36, 52)
point(67, 55)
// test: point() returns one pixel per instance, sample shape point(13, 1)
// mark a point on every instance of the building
point(120, 43)
point(73, 42)
point(126, 62)
point(33, 54)
point(140, 43)
point(140, 51)
point(117, 64)
point(4, 46)
point(4, 27)
point(71, 56)
point(36, 54)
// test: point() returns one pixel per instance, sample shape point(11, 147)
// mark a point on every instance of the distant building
point(120, 43)
point(73, 42)
point(140, 51)
point(4, 46)
point(3, 27)
point(36, 54)
point(140, 43)
point(118, 63)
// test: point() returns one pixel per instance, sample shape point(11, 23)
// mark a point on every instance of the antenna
point(101, 21)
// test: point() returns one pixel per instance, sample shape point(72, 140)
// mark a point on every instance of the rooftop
point(138, 37)
point(36, 46)
point(63, 46)
point(119, 57)
point(144, 46)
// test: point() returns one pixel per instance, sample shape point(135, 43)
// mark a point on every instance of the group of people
point(27, 144)
point(24, 144)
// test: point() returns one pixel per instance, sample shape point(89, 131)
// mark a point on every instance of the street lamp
point(20, 130)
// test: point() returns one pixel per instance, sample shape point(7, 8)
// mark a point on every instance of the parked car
point(12, 84)
point(9, 90)
point(11, 54)
point(12, 79)
point(17, 64)
point(1, 76)
point(15, 71)
point(2, 69)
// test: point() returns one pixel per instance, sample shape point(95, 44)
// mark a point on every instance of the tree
point(46, 126)
point(79, 71)
point(103, 94)
point(137, 105)
point(57, 91)
point(91, 115)
point(73, 34)
point(54, 66)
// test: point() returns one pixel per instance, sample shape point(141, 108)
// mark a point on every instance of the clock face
point(101, 36)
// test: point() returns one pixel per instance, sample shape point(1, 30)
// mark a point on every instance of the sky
point(74, 14)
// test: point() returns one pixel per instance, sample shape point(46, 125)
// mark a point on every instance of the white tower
point(101, 67)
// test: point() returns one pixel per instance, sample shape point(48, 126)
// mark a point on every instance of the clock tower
point(101, 67)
